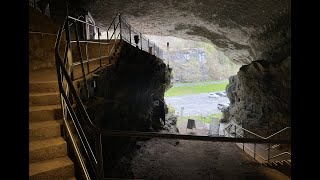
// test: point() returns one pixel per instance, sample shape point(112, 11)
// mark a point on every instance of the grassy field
point(195, 88)
point(206, 119)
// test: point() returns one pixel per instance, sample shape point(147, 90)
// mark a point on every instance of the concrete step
point(48, 74)
point(45, 149)
point(281, 166)
point(58, 168)
point(44, 129)
point(44, 113)
point(43, 86)
point(286, 162)
point(42, 99)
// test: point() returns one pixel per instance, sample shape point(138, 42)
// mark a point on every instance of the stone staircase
point(47, 149)
point(283, 166)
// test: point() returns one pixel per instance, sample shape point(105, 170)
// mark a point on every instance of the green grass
point(206, 119)
point(180, 90)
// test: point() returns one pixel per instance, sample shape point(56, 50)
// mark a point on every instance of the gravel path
point(192, 160)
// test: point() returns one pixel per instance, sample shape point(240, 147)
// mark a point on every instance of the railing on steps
point(227, 130)
point(128, 34)
point(65, 72)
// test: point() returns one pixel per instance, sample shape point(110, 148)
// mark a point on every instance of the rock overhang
point(245, 30)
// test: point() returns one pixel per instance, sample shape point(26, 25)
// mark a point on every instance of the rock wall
point(132, 90)
point(260, 96)
point(129, 96)
point(41, 46)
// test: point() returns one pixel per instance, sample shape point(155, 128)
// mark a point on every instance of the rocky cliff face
point(260, 96)
point(245, 30)
point(129, 96)
point(132, 90)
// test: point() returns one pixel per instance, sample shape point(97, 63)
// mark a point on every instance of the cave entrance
point(200, 75)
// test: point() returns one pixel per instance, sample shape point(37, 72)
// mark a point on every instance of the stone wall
point(41, 46)
point(260, 96)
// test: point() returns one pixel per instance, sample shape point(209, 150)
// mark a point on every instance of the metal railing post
point(130, 32)
point(88, 68)
point(268, 152)
point(68, 38)
point(254, 151)
point(81, 61)
point(120, 26)
point(99, 47)
point(235, 131)
point(98, 144)
point(69, 44)
point(243, 143)
point(141, 40)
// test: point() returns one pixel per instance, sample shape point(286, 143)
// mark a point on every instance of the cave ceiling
point(245, 30)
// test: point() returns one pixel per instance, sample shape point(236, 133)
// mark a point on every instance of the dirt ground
point(184, 159)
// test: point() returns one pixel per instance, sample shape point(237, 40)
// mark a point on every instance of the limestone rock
point(260, 96)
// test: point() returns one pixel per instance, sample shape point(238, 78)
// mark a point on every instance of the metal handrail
point(278, 155)
point(42, 33)
point(142, 37)
point(90, 42)
point(258, 134)
point(229, 126)
point(90, 60)
point(76, 19)
point(59, 66)
point(112, 22)
point(266, 159)
point(87, 41)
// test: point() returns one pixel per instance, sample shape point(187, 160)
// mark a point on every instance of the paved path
point(196, 104)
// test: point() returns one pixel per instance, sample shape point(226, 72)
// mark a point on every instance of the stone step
point(286, 162)
point(44, 129)
point(45, 149)
point(44, 113)
point(281, 166)
point(275, 163)
point(42, 99)
point(58, 168)
point(43, 86)
point(40, 75)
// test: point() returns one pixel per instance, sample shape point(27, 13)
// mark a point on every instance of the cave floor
point(184, 159)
